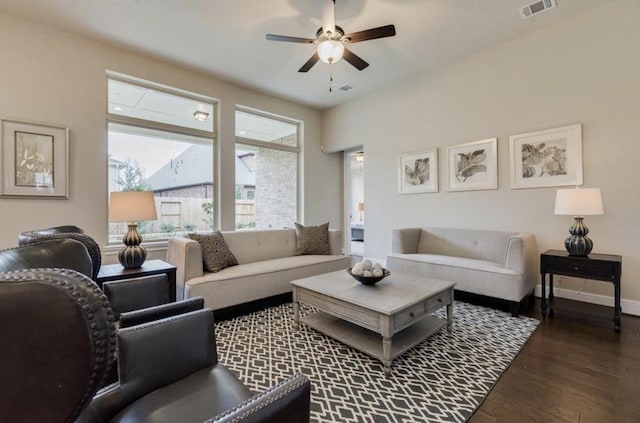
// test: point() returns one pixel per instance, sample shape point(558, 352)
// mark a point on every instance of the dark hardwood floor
point(574, 368)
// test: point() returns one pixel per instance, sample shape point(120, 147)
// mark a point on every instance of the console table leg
point(543, 299)
point(449, 317)
point(551, 297)
point(617, 319)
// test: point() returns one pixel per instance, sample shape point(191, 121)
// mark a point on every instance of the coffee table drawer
point(436, 302)
point(405, 317)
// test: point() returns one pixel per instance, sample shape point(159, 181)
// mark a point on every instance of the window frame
point(117, 119)
point(298, 149)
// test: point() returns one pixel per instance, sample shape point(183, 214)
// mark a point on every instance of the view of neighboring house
point(115, 166)
point(183, 186)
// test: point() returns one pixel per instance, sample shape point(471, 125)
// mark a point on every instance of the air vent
point(537, 7)
point(345, 88)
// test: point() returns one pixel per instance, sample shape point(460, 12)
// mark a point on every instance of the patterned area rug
point(443, 379)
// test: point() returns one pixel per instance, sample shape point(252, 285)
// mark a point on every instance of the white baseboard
point(628, 306)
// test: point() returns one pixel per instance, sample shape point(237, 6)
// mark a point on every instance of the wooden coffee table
point(383, 320)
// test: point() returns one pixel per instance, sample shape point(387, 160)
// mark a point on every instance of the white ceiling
point(226, 38)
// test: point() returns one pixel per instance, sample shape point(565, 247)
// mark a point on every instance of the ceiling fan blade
point(272, 37)
point(354, 59)
point(371, 34)
point(309, 64)
point(329, 17)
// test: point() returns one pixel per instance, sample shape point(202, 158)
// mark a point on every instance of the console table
point(600, 267)
point(115, 272)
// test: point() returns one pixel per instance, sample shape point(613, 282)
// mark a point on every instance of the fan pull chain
point(330, 77)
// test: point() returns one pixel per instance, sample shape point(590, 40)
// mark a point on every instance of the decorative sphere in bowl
point(369, 280)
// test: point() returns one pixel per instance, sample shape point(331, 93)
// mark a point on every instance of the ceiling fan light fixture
point(330, 51)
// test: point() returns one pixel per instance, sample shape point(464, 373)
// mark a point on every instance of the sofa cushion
point(470, 275)
point(312, 239)
point(252, 281)
point(215, 252)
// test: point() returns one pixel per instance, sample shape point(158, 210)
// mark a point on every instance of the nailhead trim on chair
point(298, 380)
point(103, 338)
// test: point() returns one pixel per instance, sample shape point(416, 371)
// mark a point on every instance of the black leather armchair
point(169, 372)
point(58, 341)
point(66, 232)
point(123, 295)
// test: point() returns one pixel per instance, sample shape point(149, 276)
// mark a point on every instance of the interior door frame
point(347, 200)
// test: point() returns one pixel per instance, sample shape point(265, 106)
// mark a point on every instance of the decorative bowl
point(369, 280)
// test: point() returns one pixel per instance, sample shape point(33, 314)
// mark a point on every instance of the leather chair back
point(58, 341)
point(62, 253)
point(64, 232)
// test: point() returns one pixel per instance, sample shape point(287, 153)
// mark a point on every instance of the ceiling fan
point(330, 40)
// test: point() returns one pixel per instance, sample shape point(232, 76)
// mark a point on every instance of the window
point(267, 157)
point(162, 140)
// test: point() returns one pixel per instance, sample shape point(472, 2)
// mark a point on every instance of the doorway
point(354, 201)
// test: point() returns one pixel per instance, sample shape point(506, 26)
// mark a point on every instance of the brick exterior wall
point(276, 186)
point(200, 191)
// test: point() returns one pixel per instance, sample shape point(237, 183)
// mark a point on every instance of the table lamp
point(578, 202)
point(132, 207)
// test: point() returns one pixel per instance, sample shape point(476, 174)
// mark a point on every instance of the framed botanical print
point(548, 158)
point(473, 165)
point(34, 159)
point(419, 172)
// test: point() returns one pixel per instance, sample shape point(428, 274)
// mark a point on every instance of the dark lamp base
point(132, 255)
point(578, 244)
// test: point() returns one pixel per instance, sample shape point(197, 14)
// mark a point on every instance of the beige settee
point(491, 263)
point(266, 264)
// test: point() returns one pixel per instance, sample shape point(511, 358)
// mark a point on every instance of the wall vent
point(345, 88)
point(537, 7)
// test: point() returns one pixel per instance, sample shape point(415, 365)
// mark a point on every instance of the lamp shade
point(330, 51)
point(132, 206)
point(578, 202)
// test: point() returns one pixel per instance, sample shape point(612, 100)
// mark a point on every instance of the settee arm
point(335, 242)
point(288, 401)
point(521, 256)
point(405, 241)
point(186, 255)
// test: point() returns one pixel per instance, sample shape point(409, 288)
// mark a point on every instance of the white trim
point(631, 307)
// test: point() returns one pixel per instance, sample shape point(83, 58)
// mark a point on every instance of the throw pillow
point(216, 255)
point(312, 239)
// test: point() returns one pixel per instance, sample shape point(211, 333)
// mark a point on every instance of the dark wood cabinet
point(600, 267)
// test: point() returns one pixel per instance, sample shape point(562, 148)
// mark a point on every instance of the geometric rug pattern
point(443, 379)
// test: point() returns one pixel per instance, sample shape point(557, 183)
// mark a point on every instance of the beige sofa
point(266, 264)
point(496, 264)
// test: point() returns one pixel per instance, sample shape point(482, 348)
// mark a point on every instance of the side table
point(115, 272)
point(600, 267)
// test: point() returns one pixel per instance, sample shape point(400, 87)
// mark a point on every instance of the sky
point(150, 153)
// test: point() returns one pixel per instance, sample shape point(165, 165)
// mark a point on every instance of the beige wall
point(51, 76)
point(585, 70)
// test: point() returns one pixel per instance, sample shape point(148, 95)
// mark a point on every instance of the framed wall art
point(419, 172)
point(34, 159)
point(548, 158)
point(473, 166)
